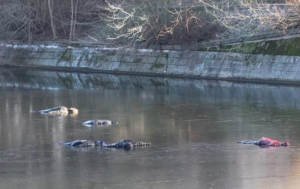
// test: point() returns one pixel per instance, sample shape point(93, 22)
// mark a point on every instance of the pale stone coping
point(70, 47)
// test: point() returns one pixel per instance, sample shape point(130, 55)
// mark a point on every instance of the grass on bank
point(290, 47)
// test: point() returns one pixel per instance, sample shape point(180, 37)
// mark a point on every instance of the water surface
point(193, 126)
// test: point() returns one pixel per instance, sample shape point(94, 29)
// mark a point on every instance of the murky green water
point(193, 126)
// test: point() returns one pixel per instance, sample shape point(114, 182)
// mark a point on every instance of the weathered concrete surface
point(193, 64)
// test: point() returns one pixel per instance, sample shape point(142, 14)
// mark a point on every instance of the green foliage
point(66, 56)
point(230, 57)
point(290, 47)
point(137, 60)
point(158, 65)
point(157, 83)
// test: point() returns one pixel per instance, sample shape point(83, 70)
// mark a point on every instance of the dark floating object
point(264, 141)
point(121, 144)
point(98, 122)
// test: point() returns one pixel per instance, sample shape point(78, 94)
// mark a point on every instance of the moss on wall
point(66, 56)
point(157, 83)
point(19, 55)
point(290, 47)
point(157, 63)
point(137, 60)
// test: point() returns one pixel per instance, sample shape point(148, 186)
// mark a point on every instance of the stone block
point(259, 57)
point(292, 59)
point(174, 61)
point(277, 74)
point(296, 75)
point(187, 54)
point(146, 67)
point(127, 58)
point(225, 73)
point(279, 59)
point(104, 66)
point(280, 66)
point(191, 62)
point(240, 57)
point(176, 54)
point(154, 54)
point(149, 60)
point(206, 55)
point(267, 59)
point(200, 58)
point(208, 63)
point(47, 55)
point(194, 54)
point(50, 62)
point(252, 58)
point(220, 56)
point(190, 70)
point(116, 58)
point(296, 66)
point(198, 69)
point(284, 59)
point(125, 66)
point(290, 75)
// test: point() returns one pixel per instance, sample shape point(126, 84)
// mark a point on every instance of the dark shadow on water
point(98, 149)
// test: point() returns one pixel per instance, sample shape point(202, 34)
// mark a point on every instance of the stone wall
point(190, 64)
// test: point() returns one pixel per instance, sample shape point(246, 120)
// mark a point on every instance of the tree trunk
point(44, 11)
point(29, 31)
point(72, 19)
point(29, 38)
point(75, 19)
point(51, 19)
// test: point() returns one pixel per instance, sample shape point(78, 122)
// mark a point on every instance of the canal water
point(193, 125)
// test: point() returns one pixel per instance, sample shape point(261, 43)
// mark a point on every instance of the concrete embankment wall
point(192, 64)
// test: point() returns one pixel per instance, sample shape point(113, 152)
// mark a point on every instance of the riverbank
point(147, 62)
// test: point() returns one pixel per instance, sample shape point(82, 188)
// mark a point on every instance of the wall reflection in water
point(193, 125)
